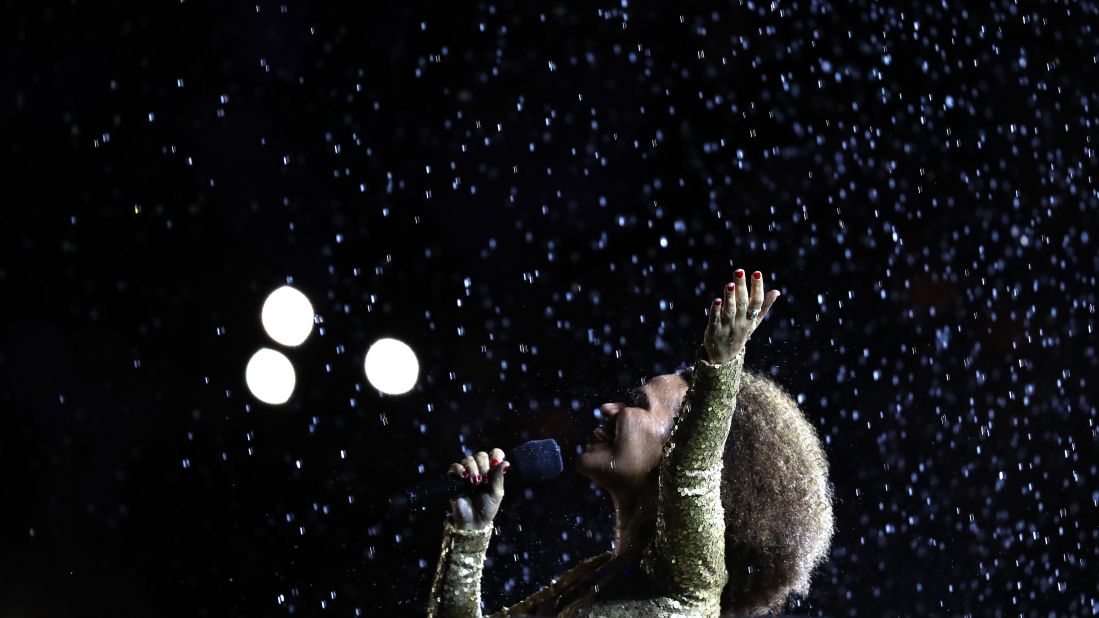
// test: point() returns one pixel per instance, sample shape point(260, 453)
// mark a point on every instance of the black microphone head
point(537, 460)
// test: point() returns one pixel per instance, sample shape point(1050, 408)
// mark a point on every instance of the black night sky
point(541, 200)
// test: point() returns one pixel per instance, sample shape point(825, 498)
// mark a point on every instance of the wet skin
point(627, 446)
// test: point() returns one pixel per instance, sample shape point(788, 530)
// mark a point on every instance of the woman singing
point(720, 490)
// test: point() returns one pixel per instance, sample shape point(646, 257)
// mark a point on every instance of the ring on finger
point(753, 313)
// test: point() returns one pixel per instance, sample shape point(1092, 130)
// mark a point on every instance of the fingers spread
point(741, 294)
point(768, 300)
point(728, 305)
point(756, 299)
point(715, 311)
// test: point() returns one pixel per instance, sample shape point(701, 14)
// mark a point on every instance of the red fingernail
point(740, 273)
point(495, 462)
point(732, 286)
point(757, 275)
point(464, 474)
point(476, 478)
point(717, 301)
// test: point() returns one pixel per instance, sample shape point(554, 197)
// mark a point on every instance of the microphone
point(531, 462)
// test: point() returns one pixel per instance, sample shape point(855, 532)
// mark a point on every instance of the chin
point(589, 462)
point(595, 464)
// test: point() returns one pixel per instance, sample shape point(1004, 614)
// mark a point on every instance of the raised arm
point(456, 589)
point(687, 555)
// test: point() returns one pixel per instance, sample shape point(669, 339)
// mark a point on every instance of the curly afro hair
point(777, 500)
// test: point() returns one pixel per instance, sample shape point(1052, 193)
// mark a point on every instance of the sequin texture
point(685, 561)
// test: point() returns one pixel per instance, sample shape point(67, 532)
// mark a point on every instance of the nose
point(610, 409)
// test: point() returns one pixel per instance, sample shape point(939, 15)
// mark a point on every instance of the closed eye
point(637, 398)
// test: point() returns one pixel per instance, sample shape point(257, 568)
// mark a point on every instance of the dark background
point(918, 181)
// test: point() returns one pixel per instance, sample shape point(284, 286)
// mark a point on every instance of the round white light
point(391, 366)
point(287, 316)
point(270, 376)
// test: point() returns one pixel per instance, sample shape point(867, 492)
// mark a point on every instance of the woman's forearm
point(456, 589)
point(688, 552)
point(702, 426)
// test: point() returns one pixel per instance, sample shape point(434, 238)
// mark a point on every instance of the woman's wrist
point(469, 532)
point(467, 541)
point(472, 526)
point(705, 355)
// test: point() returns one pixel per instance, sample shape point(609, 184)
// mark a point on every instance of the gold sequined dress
point(681, 572)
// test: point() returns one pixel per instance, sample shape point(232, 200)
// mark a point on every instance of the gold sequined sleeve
point(456, 590)
point(687, 555)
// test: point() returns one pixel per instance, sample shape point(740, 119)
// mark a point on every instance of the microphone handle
point(438, 490)
point(532, 462)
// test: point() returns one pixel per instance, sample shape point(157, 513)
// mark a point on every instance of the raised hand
point(477, 507)
point(736, 316)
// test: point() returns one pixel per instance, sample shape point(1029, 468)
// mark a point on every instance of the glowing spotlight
point(287, 316)
point(270, 376)
point(391, 366)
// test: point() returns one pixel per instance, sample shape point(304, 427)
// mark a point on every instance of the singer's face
point(628, 444)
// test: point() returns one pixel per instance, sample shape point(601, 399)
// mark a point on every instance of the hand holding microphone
point(475, 485)
point(477, 505)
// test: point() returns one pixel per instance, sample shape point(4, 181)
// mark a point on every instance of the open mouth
point(604, 433)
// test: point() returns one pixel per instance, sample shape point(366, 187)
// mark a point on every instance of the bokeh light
point(391, 366)
point(270, 376)
point(287, 316)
